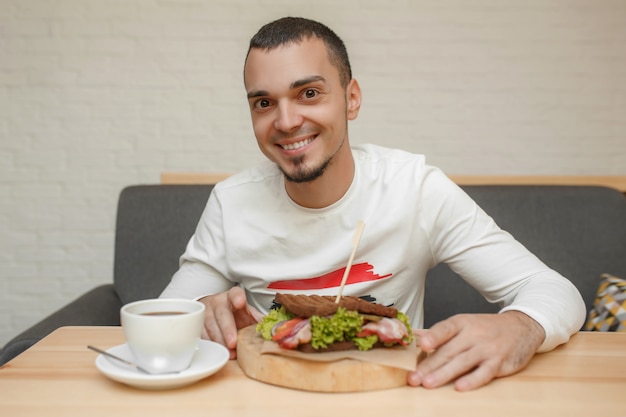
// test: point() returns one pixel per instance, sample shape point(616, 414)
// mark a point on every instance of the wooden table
point(57, 377)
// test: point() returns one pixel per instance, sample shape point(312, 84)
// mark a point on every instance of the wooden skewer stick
point(355, 244)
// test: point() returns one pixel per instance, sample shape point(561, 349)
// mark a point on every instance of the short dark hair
point(295, 29)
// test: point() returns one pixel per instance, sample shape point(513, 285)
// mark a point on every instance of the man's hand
point(226, 313)
point(473, 349)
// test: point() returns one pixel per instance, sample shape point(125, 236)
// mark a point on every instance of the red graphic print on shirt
point(362, 272)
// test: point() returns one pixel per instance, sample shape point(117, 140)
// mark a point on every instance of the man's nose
point(288, 117)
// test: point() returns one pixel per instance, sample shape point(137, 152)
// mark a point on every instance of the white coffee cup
point(163, 334)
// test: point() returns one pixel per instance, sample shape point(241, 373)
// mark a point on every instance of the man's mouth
point(297, 145)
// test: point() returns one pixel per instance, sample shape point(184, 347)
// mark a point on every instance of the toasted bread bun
point(324, 305)
point(334, 347)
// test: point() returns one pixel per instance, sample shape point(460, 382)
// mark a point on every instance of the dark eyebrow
point(295, 84)
point(307, 80)
point(258, 93)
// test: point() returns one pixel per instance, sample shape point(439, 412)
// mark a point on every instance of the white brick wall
point(99, 94)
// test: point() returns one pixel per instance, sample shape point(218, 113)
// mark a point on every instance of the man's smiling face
point(299, 109)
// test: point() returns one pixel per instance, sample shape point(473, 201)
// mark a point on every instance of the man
point(287, 226)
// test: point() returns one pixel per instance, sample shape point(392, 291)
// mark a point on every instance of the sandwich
point(315, 323)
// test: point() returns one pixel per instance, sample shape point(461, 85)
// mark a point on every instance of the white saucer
point(209, 358)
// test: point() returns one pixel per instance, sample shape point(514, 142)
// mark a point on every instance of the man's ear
point(353, 99)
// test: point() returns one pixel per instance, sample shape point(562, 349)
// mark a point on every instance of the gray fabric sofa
point(577, 230)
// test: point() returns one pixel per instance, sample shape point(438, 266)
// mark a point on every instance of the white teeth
point(296, 145)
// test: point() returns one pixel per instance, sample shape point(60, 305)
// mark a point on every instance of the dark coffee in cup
point(163, 313)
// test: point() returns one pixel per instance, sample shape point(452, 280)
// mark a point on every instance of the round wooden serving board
point(345, 375)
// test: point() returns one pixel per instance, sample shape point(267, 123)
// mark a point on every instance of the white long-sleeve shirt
point(253, 235)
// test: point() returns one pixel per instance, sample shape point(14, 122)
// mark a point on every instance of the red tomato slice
point(284, 328)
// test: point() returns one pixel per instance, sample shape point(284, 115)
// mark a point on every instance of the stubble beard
point(302, 173)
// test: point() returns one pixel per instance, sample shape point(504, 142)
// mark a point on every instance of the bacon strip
point(388, 330)
point(300, 333)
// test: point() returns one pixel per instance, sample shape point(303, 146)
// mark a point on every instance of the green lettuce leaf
point(341, 326)
point(269, 321)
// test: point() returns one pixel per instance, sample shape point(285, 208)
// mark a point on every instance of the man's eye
point(310, 93)
point(263, 103)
